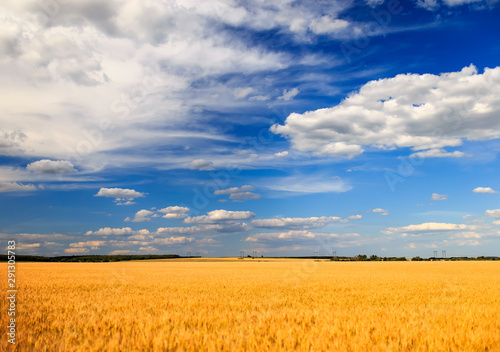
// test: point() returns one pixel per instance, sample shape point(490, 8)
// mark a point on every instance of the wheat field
point(252, 305)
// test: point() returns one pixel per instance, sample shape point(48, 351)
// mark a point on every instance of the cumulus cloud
point(27, 246)
point(222, 227)
point(172, 240)
point(119, 193)
point(354, 217)
point(218, 216)
point(289, 94)
point(201, 164)
point(436, 196)
point(427, 227)
point(15, 187)
point(281, 154)
point(494, 213)
point(424, 112)
point(76, 250)
point(122, 196)
point(327, 25)
point(379, 211)
point(142, 216)
point(174, 212)
point(300, 223)
point(91, 244)
point(108, 231)
point(46, 166)
point(10, 142)
point(239, 193)
point(488, 190)
point(234, 190)
point(438, 153)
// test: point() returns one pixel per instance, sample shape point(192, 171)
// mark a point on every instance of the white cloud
point(295, 235)
point(52, 167)
point(108, 231)
point(430, 5)
point(289, 94)
point(27, 246)
point(92, 244)
point(97, 69)
point(281, 154)
point(453, 3)
point(327, 25)
point(122, 252)
point(222, 227)
point(300, 223)
point(172, 240)
point(216, 216)
point(488, 190)
point(234, 190)
point(15, 187)
point(240, 93)
point(77, 250)
point(179, 230)
point(379, 211)
point(35, 236)
point(10, 142)
point(260, 98)
point(119, 193)
point(201, 164)
point(427, 227)
point(142, 216)
point(423, 112)
point(438, 153)
point(436, 196)
point(174, 212)
point(355, 217)
point(494, 213)
point(148, 249)
point(111, 48)
point(239, 193)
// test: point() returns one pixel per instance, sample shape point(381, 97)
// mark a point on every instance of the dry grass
point(257, 306)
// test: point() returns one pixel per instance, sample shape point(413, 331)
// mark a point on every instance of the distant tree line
point(89, 258)
point(365, 258)
point(374, 258)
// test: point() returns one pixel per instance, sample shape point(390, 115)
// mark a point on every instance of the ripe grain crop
point(250, 305)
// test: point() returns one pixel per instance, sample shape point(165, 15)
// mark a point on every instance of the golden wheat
point(256, 306)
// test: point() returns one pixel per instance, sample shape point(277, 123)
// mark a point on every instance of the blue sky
point(286, 128)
